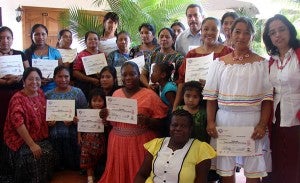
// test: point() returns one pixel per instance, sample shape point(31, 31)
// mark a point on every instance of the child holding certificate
point(92, 144)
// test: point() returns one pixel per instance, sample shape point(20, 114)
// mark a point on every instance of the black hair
point(184, 113)
point(132, 64)
point(88, 33)
point(165, 67)
point(60, 34)
point(179, 24)
point(152, 29)
point(234, 15)
point(112, 70)
point(60, 68)
point(172, 33)
point(123, 32)
point(193, 85)
point(293, 42)
point(29, 52)
point(96, 92)
point(246, 21)
point(113, 16)
point(217, 21)
point(4, 28)
point(28, 70)
point(195, 6)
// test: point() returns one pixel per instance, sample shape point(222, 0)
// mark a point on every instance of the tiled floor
point(69, 177)
point(75, 177)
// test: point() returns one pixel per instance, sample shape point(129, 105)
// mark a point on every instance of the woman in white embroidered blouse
point(284, 48)
point(239, 95)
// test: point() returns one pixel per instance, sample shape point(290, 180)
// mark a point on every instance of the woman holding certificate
point(40, 50)
point(166, 54)
point(83, 81)
point(63, 134)
point(31, 155)
point(125, 152)
point(239, 95)
point(210, 31)
point(284, 48)
point(9, 83)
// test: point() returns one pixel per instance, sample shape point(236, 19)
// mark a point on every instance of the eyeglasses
point(280, 30)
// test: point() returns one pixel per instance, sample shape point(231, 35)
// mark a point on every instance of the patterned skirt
point(25, 168)
point(92, 148)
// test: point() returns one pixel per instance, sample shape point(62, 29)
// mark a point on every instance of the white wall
point(9, 14)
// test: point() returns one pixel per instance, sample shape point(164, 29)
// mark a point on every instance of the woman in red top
point(83, 81)
point(25, 132)
point(210, 31)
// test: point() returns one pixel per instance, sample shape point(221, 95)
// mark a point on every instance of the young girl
point(167, 89)
point(194, 104)
point(92, 144)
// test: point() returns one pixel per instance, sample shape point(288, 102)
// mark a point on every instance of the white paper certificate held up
point(197, 68)
point(140, 61)
point(94, 63)
point(89, 121)
point(68, 55)
point(235, 141)
point(60, 110)
point(46, 66)
point(11, 64)
point(122, 110)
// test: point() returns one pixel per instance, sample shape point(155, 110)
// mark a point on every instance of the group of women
point(239, 91)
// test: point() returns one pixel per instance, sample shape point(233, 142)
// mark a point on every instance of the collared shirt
point(285, 78)
point(186, 40)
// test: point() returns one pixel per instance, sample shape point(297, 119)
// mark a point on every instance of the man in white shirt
point(190, 38)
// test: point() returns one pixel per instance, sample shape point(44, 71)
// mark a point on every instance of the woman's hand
point(79, 138)
point(11, 79)
point(51, 123)
point(259, 131)
point(36, 151)
point(95, 82)
point(68, 123)
point(212, 130)
point(75, 120)
point(143, 120)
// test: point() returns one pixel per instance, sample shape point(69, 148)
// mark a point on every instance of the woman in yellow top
point(178, 158)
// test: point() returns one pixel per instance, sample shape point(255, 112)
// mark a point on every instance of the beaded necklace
point(282, 66)
point(240, 58)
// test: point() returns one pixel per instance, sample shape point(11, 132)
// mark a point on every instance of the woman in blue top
point(118, 57)
point(63, 134)
point(39, 49)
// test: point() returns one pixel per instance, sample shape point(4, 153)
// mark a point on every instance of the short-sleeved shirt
point(176, 166)
point(30, 111)
point(187, 39)
point(117, 59)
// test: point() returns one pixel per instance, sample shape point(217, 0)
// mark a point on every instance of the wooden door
point(46, 16)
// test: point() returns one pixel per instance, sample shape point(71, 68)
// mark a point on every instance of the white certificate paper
point(68, 55)
point(197, 68)
point(89, 121)
point(94, 63)
point(122, 110)
point(46, 66)
point(119, 76)
point(235, 141)
point(60, 110)
point(11, 64)
point(140, 61)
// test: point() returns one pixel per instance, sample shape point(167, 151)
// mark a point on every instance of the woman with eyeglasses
point(282, 45)
point(30, 154)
